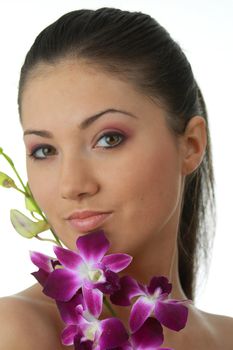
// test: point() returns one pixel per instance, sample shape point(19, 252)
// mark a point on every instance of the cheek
point(42, 186)
point(149, 177)
point(148, 194)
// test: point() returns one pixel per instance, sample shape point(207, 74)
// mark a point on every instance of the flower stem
point(18, 189)
point(57, 241)
point(45, 239)
point(56, 238)
point(28, 194)
point(107, 303)
point(9, 160)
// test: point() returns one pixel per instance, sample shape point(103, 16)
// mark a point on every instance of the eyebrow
point(85, 123)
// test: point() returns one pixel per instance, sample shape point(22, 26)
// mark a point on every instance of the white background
point(204, 29)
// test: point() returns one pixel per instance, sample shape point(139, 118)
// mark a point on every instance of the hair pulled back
point(135, 47)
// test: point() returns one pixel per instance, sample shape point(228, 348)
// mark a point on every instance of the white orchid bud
point(6, 181)
point(30, 205)
point(25, 226)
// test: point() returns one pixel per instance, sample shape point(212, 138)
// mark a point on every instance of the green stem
point(56, 237)
point(53, 233)
point(44, 218)
point(106, 302)
point(45, 239)
point(28, 194)
point(34, 216)
point(18, 189)
point(42, 215)
point(14, 169)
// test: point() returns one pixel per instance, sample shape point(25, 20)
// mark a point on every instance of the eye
point(112, 139)
point(41, 152)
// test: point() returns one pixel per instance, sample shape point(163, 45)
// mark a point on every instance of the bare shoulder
point(28, 323)
point(222, 327)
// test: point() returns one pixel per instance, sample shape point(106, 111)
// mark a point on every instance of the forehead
point(72, 88)
point(77, 75)
point(79, 70)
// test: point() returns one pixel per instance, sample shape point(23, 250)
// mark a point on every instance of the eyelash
point(41, 147)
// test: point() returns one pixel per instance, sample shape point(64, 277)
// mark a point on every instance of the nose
point(77, 179)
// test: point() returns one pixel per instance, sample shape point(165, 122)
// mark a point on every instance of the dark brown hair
point(135, 47)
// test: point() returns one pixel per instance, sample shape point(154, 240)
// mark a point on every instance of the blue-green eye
point(41, 152)
point(106, 141)
point(112, 139)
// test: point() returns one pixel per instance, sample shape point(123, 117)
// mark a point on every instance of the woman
point(114, 99)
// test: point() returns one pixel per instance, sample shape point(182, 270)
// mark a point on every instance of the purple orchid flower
point(77, 282)
point(153, 300)
point(148, 336)
point(89, 269)
point(46, 265)
point(96, 334)
point(85, 330)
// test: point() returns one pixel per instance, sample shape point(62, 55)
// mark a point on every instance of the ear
point(194, 142)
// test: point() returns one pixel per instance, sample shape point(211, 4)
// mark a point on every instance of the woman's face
point(126, 162)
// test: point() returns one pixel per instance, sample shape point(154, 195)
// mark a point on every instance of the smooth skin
point(137, 173)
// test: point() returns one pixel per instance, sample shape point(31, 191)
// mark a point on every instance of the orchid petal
point(149, 335)
point(171, 313)
point(93, 246)
point(117, 262)
point(87, 283)
point(140, 311)
point(93, 300)
point(62, 284)
point(90, 326)
point(82, 345)
point(125, 346)
point(70, 310)
point(129, 288)
point(68, 258)
point(68, 334)
point(160, 282)
point(42, 261)
point(111, 285)
point(41, 276)
point(113, 333)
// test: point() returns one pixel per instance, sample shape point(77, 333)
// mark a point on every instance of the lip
point(88, 223)
point(84, 214)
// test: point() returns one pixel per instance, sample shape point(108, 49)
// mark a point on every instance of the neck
point(157, 257)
